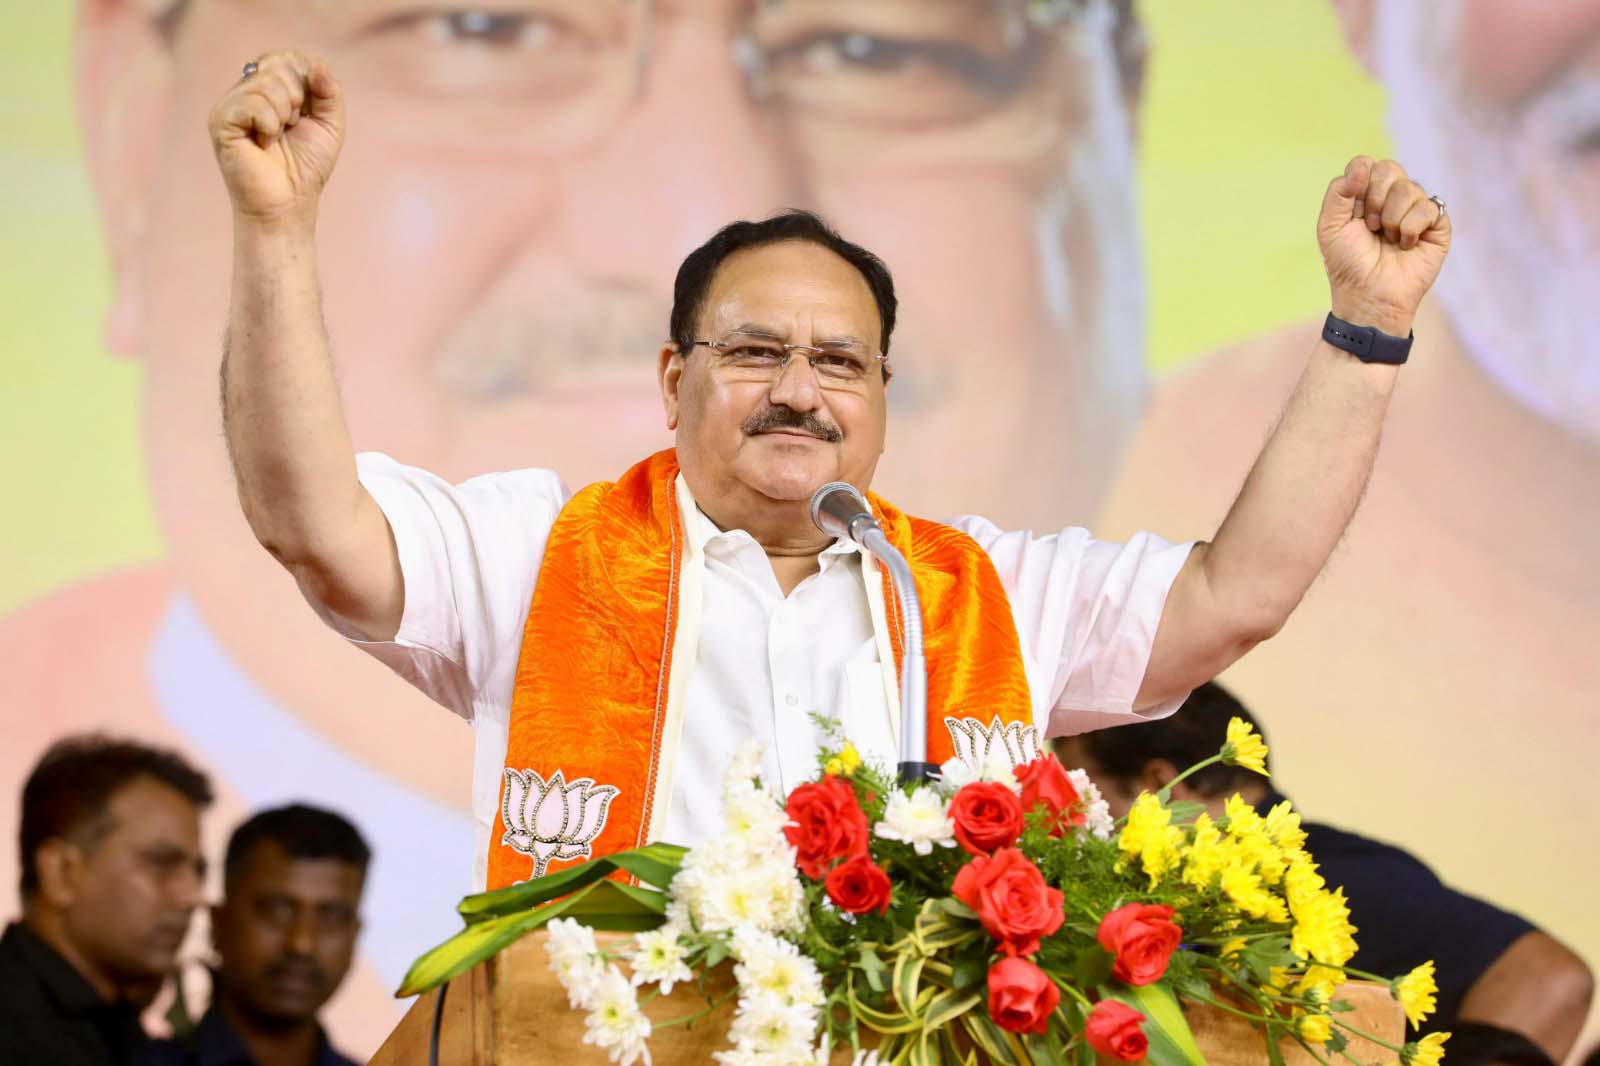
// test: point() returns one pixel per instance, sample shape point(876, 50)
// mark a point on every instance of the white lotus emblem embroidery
point(982, 747)
point(553, 819)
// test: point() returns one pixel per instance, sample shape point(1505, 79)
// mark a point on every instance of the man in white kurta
point(1086, 612)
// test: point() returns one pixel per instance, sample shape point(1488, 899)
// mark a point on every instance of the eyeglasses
point(753, 357)
point(832, 76)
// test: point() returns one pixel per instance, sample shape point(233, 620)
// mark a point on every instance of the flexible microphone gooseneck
point(839, 510)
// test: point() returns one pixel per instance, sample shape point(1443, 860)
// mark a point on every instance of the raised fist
point(1383, 241)
point(276, 134)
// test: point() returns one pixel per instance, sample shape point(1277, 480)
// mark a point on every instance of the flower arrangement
point(996, 914)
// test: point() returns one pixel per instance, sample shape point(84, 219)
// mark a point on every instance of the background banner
point(1101, 223)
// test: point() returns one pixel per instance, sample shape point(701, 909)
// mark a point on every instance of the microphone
point(840, 510)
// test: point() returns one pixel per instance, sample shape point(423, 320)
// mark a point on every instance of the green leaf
point(1091, 966)
point(715, 953)
point(946, 1007)
point(968, 970)
point(654, 864)
point(1171, 1041)
point(989, 1037)
point(874, 969)
point(1262, 955)
point(1185, 810)
point(956, 909)
point(604, 905)
point(907, 975)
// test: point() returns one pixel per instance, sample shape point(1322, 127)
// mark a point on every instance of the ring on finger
point(1437, 202)
point(250, 68)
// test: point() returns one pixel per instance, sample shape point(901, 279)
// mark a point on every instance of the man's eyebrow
point(756, 329)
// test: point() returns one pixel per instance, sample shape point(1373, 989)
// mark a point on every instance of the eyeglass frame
point(811, 352)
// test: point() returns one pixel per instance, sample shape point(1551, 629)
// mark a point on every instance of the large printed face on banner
point(1511, 135)
point(520, 180)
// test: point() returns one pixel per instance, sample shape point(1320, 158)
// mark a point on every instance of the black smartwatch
point(1365, 343)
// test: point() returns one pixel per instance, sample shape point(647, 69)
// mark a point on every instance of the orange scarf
point(593, 681)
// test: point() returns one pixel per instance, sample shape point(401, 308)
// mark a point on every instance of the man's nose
point(796, 386)
point(690, 155)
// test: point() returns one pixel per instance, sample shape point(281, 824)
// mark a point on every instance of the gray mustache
point(775, 417)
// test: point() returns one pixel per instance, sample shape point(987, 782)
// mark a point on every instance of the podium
point(511, 1011)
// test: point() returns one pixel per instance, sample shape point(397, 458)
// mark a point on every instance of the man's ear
point(1355, 19)
point(1156, 775)
point(59, 866)
point(669, 368)
point(124, 79)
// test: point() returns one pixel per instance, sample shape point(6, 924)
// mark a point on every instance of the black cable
point(438, 1021)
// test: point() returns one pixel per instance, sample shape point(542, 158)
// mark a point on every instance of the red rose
point(1114, 1029)
point(1044, 781)
point(859, 885)
point(1143, 937)
point(828, 823)
point(1021, 997)
point(1012, 900)
point(987, 816)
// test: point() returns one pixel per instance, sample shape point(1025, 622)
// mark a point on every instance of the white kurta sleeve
point(469, 556)
point(1086, 614)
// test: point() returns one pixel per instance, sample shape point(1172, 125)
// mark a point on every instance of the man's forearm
point(1304, 488)
point(291, 450)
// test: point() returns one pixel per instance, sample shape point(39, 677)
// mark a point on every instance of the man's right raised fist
point(276, 134)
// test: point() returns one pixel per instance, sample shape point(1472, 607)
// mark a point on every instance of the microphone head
point(834, 507)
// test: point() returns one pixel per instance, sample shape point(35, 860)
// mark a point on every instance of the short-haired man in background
point(111, 872)
point(1500, 979)
point(284, 932)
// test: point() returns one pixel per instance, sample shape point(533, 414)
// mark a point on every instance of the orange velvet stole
point(590, 699)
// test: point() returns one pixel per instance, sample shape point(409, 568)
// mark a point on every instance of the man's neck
point(785, 532)
point(290, 1045)
point(49, 928)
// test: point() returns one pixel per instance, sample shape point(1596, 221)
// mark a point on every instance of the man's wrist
point(1390, 320)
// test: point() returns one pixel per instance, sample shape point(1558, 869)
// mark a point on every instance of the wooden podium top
point(511, 1011)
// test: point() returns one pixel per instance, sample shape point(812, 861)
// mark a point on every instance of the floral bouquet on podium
point(996, 914)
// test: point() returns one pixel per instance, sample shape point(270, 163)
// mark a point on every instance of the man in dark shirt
point(284, 933)
point(1501, 981)
point(111, 872)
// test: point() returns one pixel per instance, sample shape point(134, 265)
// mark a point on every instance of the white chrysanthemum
point(921, 819)
point(767, 1030)
point(752, 821)
point(575, 960)
point(657, 959)
point(1096, 809)
point(956, 773)
point(770, 965)
point(743, 768)
point(615, 1023)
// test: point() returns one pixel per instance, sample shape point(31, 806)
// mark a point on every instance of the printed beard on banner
point(554, 819)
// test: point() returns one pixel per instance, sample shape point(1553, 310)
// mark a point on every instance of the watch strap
point(1365, 343)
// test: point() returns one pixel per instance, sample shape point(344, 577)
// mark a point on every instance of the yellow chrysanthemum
point(1235, 946)
point(1283, 825)
point(1425, 1052)
point(1322, 929)
point(1150, 837)
point(1239, 818)
point(1416, 992)
point(1204, 859)
point(1315, 1028)
point(847, 762)
point(1319, 983)
point(1243, 886)
point(1245, 747)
